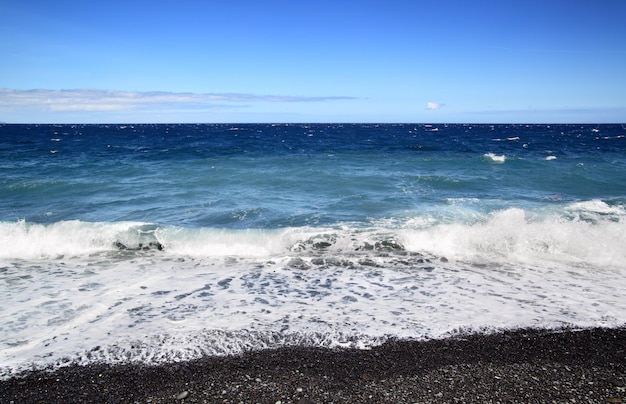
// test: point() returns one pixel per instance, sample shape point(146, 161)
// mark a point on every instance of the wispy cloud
point(433, 105)
point(103, 100)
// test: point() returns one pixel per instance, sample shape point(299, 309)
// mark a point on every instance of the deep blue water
point(272, 176)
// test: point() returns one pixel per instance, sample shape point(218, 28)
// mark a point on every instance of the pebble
point(515, 366)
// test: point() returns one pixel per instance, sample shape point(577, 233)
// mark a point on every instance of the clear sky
point(530, 61)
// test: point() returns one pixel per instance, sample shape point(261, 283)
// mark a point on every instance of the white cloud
point(104, 100)
point(433, 105)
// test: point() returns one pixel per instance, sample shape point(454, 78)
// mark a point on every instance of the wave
point(495, 158)
point(75, 238)
point(22, 240)
point(591, 232)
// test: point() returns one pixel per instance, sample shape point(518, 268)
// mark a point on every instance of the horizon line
point(425, 123)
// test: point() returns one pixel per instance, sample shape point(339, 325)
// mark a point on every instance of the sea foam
point(590, 232)
point(159, 243)
point(496, 158)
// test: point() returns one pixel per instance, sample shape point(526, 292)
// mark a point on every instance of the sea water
point(158, 243)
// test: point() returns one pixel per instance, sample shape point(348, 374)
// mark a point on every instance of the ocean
point(162, 243)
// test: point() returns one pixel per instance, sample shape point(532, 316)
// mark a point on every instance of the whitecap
point(495, 158)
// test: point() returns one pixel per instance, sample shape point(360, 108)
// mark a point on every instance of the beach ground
point(513, 366)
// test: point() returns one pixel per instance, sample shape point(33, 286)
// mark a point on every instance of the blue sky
point(313, 61)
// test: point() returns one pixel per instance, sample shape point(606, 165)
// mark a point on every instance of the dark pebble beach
point(530, 366)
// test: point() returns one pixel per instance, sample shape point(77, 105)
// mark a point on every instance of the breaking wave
point(592, 232)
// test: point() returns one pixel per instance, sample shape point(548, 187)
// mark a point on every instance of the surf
point(588, 232)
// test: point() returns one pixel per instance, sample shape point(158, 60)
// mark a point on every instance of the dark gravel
point(514, 366)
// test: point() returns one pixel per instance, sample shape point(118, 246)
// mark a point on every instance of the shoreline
point(526, 365)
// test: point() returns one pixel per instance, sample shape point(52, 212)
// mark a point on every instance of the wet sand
point(513, 366)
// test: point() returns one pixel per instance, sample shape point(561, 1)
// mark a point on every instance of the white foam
point(597, 206)
point(339, 286)
point(590, 232)
point(151, 309)
point(30, 241)
point(495, 158)
point(221, 242)
point(511, 236)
